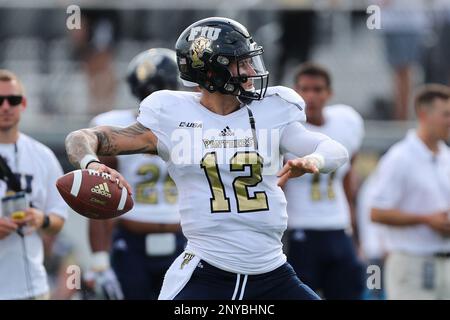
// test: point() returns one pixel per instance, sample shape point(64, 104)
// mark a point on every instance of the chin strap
point(251, 119)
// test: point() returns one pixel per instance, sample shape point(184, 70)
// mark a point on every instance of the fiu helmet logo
point(205, 32)
point(198, 48)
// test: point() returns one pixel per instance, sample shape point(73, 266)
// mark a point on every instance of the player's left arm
point(316, 152)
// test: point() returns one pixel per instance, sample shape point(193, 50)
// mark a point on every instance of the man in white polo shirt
point(412, 198)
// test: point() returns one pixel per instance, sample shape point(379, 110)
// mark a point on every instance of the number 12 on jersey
point(244, 202)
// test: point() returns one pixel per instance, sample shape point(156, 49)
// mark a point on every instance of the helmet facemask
point(244, 76)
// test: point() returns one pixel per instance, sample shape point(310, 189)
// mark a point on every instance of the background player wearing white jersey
point(320, 205)
point(411, 197)
point(148, 238)
point(223, 148)
point(26, 167)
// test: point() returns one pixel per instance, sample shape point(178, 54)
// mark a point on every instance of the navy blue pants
point(210, 283)
point(140, 275)
point(327, 261)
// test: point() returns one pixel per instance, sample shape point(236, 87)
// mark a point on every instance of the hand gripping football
point(93, 195)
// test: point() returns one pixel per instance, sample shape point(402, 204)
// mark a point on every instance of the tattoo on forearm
point(107, 141)
point(133, 130)
point(104, 141)
point(106, 145)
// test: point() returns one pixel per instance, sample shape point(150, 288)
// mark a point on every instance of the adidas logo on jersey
point(102, 189)
point(226, 132)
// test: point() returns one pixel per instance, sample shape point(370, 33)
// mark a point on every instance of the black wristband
point(87, 159)
point(46, 222)
point(87, 165)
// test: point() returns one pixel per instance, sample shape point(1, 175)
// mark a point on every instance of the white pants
point(414, 277)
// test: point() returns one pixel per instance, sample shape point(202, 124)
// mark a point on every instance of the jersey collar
point(421, 149)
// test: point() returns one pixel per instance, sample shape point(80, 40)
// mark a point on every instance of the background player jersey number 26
point(147, 191)
point(220, 202)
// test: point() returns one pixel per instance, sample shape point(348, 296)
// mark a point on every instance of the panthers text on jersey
point(232, 211)
point(318, 201)
point(154, 192)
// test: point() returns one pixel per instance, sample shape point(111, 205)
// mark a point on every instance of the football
point(93, 195)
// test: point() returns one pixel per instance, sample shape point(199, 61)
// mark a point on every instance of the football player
point(223, 146)
point(320, 206)
point(148, 238)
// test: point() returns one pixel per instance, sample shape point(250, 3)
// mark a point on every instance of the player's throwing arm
point(83, 146)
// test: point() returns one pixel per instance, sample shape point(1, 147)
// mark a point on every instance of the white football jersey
point(39, 169)
point(154, 193)
point(318, 201)
point(232, 211)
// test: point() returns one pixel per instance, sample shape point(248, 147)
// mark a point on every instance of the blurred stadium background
point(71, 75)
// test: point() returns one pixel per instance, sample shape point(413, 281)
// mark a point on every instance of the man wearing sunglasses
point(30, 203)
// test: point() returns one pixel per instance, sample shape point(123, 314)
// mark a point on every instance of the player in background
point(320, 206)
point(147, 239)
point(223, 147)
